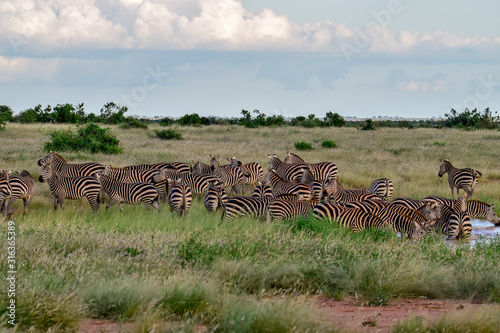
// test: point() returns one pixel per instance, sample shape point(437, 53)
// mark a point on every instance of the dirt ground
point(348, 314)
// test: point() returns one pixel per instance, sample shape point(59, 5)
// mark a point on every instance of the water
point(481, 229)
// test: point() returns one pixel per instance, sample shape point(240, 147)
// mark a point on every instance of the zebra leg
point(113, 202)
point(56, 202)
point(147, 204)
point(121, 207)
point(94, 203)
point(155, 205)
point(102, 195)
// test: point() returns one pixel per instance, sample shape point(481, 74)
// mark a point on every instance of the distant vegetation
point(112, 113)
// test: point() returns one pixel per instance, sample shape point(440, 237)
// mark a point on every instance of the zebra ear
point(448, 159)
point(269, 155)
point(440, 161)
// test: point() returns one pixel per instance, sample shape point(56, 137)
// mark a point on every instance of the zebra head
point(214, 163)
point(47, 159)
point(432, 211)
point(330, 188)
point(491, 215)
point(444, 167)
point(418, 231)
point(47, 173)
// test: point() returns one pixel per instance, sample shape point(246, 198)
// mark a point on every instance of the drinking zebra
point(76, 187)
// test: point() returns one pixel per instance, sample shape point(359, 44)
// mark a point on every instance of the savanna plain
point(152, 271)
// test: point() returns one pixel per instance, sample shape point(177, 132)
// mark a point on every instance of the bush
point(368, 125)
point(168, 134)
point(166, 121)
point(328, 144)
point(303, 146)
point(90, 138)
point(131, 122)
point(5, 115)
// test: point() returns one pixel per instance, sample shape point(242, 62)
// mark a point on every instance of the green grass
point(154, 268)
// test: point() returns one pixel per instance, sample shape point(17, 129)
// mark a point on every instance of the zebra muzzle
point(40, 179)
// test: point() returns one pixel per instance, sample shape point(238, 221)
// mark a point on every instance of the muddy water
point(481, 230)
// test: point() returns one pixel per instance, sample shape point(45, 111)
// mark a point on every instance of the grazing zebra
point(22, 187)
point(369, 206)
point(63, 187)
point(131, 193)
point(382, 187)
point(5, 189)
point(391, 213)
point(253, 172)
point(255, 207)
point(288, 172)
point(229, 176)
point(340, 194)
point(180, 197)
point(321, 171)
point(139, 176)
point(408, 226)
point(281, 209)
point(465, 179)
point(215, 198)
point(178, 166)
point(65, 169)
point(281, 186)
point(476, 208)
point(407, 202)
point(353, 218)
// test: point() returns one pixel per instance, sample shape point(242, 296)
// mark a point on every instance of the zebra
point(340, 194)
point(22, 186)
point(476, 208)
point(252, 172)
point(65, 169)
point(5, 189)
point(368, 206)
point(178, 166)
point(281, 186)
point(318, 186)
point(180, 197)
point(201, 169)
point(353, 218)
point(465, 179)
point(321, 171)
point(215, 198)
point(407, 202)
point(131, 193)
point(408, 226)
point(229, 177)
point(455, 220)
point(390, 213)
point(138, 176)
point(382, 187)
point(289, 172)
point(63, 187)
point(281, 209)
point(255, 207)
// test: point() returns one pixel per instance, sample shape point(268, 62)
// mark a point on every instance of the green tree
point(190, 119)
point(112, 113)
point(5, 115)
point(334, 119)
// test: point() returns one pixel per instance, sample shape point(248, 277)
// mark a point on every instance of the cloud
point(399, 80)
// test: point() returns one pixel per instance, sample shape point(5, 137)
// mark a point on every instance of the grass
point(152, 268)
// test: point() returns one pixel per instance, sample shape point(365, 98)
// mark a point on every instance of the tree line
point(112, 113)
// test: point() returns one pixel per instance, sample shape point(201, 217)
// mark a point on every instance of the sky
point(407, 58)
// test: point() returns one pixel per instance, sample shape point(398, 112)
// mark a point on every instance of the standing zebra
point(131, 193)
point(321, 171)
point(252, 172)
point(63, 187)
point(281, 186)
point(288, 172)
point(180, 197)
point(178, 166)
point(465, 179)
point(340, 194)
point(280, 209)
point(5, 190)
point(23, 187)
point(476, 208)
point(353, 218)
point(382, 187)
point(229, 177)
point(215, 198)
point(65, 169)
point(455, 220)
point(255, 207)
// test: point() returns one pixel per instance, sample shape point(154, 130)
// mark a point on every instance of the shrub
point(168, 134)
point(5, 115)
point(131, 122)
point(166, 121)
point(90, 138)
point(368, 125)
point(303, 146)
point(328, 144)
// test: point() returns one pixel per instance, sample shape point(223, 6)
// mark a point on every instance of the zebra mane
point(295, 156)
point(59, 156)
point(479, 202)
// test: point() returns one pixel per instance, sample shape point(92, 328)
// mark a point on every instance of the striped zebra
point(229, 177)
point(321, 171)
point(338, 193)
point(352, 218)
point(252, 172)
point(22, 187)
point(318, 186)
point(215, 198)
point(180, 197)
point(391, 213)
point(5, 190)
point(281, 186)
point(408, 226)
point(178, 166)
point(455, 220)
point(407, 202)
point(288, 172)
point(130, 193)
point(281, 209)
point(369, 206)
point(197, 184)
point(65, 169)
point(465, 179)
point(63, 187)
point(201, 169)
point(430, 209)
point(139, 176)
point(382, 187)
point(255, 207)
point(480, 209)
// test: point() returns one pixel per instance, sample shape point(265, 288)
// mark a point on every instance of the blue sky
point(216, 57)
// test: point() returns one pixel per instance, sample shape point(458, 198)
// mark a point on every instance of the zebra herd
point(291, 188)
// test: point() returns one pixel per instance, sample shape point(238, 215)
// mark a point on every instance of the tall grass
point(153, 268)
